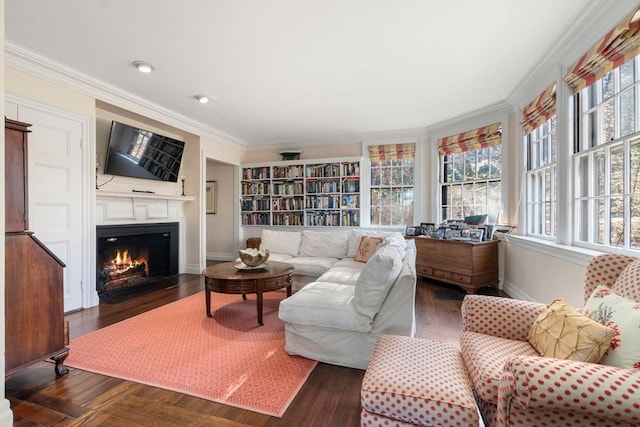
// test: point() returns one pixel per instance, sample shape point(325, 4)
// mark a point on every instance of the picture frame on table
point(476, 234)
point(410, 231)
point(426, 228)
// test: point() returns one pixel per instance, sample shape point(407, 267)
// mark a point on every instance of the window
point(471, 173)
point(540, 146)
point(392, 181)
point(607, 160)
point(539, 125)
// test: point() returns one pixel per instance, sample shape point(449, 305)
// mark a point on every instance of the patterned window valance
point(392, 152)
point(539, 110)
point(486, 136)
point(617, 47)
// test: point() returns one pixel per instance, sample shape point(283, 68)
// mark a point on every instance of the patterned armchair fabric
point(516, 387)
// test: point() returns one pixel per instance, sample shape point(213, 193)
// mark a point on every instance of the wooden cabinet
point(470, 265)
point(34, 297)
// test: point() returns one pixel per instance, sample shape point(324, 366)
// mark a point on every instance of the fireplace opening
point(135, 257)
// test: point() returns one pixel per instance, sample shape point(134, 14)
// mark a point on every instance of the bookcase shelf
point(301, 193)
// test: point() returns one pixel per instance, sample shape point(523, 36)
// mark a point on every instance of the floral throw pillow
point(623, 316)
point(367, 248)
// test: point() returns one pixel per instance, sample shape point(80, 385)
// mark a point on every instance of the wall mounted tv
point(140, 153)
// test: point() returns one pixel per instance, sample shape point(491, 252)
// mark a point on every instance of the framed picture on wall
point(211, 197)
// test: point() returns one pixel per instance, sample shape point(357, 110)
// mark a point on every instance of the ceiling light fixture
point(201, 99)
point(143, 67)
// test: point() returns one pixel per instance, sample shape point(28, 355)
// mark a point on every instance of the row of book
point(252, 205)
point(259, 188)
point(256, 173)
point(288, 187)
point(256, 219)
point(325, 170)
point(288, 219)
point(346, 219)
point(294, 171)
point(288, 203)
point(331, 201)
point(323, 186)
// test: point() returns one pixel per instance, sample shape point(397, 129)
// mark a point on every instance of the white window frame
point(587, 232)
point(493, 218)
point(537, 167)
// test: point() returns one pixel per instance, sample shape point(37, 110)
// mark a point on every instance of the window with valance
point(392, 184)
point(471, 173)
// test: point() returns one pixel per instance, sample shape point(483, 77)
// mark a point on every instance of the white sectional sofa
point(337, 318)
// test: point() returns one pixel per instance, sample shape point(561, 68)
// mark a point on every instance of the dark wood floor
point(330, 397)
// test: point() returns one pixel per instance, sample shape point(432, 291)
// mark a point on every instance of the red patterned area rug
point(226, 358)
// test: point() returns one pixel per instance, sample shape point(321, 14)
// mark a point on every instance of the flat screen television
point(140, 153)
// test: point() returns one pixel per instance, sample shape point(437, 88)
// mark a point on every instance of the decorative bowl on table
point(254, 257)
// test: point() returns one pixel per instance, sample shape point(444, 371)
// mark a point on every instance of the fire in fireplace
point(135, 255)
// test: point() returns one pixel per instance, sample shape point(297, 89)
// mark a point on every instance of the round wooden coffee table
point(225, 278)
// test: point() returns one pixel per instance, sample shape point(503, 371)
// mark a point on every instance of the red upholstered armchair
point(515, 386)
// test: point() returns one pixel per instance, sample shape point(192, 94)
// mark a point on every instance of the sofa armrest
point(499, 317)
point(556, 385)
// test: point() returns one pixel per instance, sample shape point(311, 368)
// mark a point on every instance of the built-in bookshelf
point(301, 193)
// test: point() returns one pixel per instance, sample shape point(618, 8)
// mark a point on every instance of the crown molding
point(39, 66)
point(415, 133)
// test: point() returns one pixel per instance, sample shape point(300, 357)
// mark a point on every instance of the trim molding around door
point(87, 184)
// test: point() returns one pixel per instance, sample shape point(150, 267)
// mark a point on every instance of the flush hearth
point(135, 256)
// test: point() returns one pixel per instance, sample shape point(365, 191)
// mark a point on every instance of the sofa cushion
point(349, 262)
point(327, 244)
point(355, 236)
point(375, 280)
point(323, 304)
point(341, 275)
point(278, 257)
point(281, 242)
point(311, 266)
point(485, 356)
point(564, 333)
point(623, 316)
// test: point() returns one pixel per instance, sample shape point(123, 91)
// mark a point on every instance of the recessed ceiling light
point(143, 67)
point(202, 99)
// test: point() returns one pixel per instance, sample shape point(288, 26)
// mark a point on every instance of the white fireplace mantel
point(124, 208)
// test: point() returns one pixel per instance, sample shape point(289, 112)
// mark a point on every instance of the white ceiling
point(279, 71)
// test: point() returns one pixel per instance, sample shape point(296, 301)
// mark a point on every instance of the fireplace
point(135, 256)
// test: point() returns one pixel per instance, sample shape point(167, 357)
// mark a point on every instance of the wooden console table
point(470, 265)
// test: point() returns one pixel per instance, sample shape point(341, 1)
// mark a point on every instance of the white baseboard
point(514, 292)
point(6, 416)
point(192, 269)
point(221, 256)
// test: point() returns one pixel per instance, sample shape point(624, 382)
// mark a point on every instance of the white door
point(55, 192)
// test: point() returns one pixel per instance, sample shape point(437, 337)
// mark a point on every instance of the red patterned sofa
point(514, 386)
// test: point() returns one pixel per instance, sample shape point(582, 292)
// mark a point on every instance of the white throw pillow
point(623, 316)
point(281, 242)
point(324, 244)
point(375, 281)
